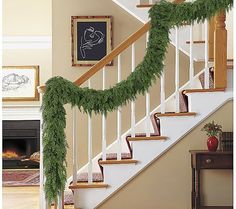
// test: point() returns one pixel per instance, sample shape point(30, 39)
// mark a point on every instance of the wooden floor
point(22, 198)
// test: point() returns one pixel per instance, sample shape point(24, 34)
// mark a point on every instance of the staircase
point(116, 173)
point(162, 127)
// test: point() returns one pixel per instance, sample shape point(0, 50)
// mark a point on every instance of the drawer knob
point(208, 161)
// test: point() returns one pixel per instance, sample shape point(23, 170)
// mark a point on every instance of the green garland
point(60, 91)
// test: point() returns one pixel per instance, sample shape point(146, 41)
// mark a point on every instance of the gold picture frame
point(91, 39)
point(19, 83)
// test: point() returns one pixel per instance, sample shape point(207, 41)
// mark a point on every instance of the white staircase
point(145, 152)
point(201, 105)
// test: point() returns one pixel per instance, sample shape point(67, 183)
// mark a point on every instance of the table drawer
point(212, 161)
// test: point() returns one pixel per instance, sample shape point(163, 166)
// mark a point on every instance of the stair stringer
point(146, 152)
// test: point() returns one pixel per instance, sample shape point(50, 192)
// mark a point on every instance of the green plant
point(212, 129)
point(60, 91)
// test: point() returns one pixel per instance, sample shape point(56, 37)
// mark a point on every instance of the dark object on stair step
point(211, 79)
point(183, 102)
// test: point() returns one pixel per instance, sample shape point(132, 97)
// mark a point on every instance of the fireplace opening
point(20, 140)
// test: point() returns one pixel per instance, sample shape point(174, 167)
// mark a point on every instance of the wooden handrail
point(115, 52)
point(108, 58)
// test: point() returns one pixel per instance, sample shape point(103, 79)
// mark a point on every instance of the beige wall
point(26, 17)
point(23, 18)
point(230, 39)
point(166, 184)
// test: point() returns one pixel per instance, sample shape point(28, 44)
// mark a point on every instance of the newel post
point(220, 51)
point(211, 30)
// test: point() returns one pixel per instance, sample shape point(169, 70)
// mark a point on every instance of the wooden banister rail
point(108, 58)
point(115, 52)
point(220, 51)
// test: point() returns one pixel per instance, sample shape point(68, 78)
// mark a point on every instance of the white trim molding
point(21, 112)
point(27, 42)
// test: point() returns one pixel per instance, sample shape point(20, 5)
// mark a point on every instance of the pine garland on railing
point(60, 91)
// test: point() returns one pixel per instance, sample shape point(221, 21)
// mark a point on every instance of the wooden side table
point(201, 159)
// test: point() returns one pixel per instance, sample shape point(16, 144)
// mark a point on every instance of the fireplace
point(21, 138)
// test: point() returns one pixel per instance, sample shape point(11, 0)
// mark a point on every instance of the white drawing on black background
point(13, 82)
point(90, 39)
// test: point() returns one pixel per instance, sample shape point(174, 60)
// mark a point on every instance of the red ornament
point(212, 143)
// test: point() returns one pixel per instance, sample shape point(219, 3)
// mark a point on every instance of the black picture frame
point(91, 39)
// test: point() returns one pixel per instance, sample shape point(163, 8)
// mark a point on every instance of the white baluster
point(163, 106)
point(119, 114)
point(90, 145)
point(148, 121)
point(148, 114)
point(150, 1)
point(133, 103)
point(104, 141)
point(191, 66)
point(74, 145)
point(59, 202)
point(206, 72)
point(74, 149)
point(177, 109)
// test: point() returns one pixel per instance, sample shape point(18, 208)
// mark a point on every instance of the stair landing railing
point(215, 49)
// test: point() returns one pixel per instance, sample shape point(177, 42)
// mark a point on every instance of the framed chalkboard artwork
point(91, 39)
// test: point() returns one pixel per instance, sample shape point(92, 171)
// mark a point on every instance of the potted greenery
point(212, 131)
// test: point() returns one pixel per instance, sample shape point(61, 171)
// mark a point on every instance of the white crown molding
point(27, 42)
point(21, 112)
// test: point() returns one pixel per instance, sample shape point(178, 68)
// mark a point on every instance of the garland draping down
point(60, 91)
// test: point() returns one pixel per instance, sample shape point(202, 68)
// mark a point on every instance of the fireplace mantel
point(21, 112)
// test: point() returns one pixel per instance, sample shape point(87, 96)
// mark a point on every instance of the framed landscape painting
point(91, 39)
point(19, 83)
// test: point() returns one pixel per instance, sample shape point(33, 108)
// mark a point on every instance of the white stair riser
point(175, 126)
point(197, 102)
point(154, 148)
point(116, 174)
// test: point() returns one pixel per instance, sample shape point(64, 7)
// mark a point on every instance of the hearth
point(21, 138)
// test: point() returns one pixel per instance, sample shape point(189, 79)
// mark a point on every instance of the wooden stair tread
point(196, 42)
point(228, 60)
point(123, 161)
point(202, 90)
point(144, 138)
point(88, 185)
point(175, 114)
point(144, 5)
